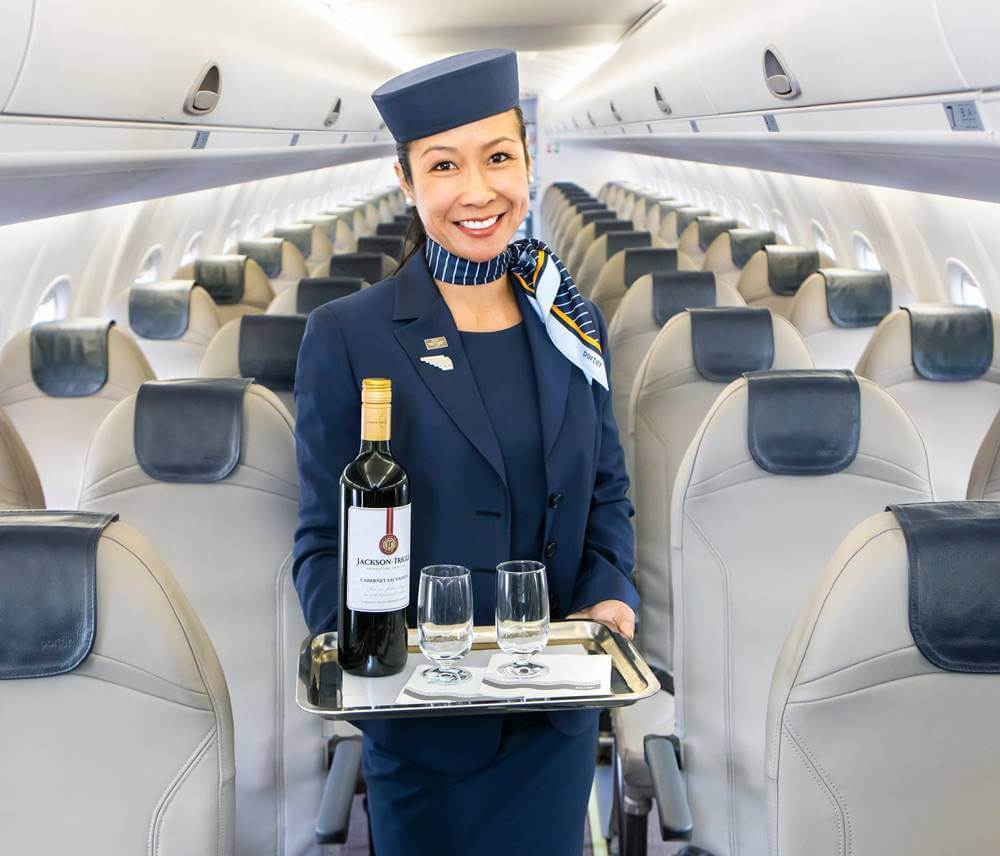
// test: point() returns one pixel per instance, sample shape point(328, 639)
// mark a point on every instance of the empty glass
point(522, 616)
point(444, 620)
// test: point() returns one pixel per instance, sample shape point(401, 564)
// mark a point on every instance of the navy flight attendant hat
point(453, 91)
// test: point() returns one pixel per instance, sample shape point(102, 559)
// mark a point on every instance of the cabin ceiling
point(557, 43)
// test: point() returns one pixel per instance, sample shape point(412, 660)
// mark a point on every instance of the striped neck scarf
point(550, 291)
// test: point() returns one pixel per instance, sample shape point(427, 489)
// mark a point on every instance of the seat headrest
point(954, 586)
point(368, 266)
point(69, 359)
point(618, 241)
point(388, 245)
point(269, 349)
point(640, 261)
point(326, 222)
point(675, 291)
point(857, 298)
point(788, 267)
point(950, 343)
point(602, 227)
point(728, 342)
point(223, 277)
point(189, 430)
point(803, 422)
point(48, 579)
point(160, 310)
point(709, 228)
point(397, 228)
point(314, 292)
point(588, 217)
point(402, 218)
point(299, 235)
point(266, 252)
point(588, 205)
point(687, 215)
point(743, 243)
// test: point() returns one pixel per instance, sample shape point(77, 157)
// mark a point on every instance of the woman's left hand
point(617, 613)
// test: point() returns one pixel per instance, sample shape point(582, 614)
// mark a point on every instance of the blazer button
point(555, 499)
point(550, 549)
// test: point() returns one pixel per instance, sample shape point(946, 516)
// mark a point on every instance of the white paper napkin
point(419, 689)
point(568, 675)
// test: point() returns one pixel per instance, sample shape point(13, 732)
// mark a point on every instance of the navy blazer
point(461, 512)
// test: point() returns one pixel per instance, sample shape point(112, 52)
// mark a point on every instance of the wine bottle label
point(378, 559)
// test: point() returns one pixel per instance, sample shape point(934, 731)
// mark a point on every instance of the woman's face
point(470, 185)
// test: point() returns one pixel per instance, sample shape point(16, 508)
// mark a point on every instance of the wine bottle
point(374, 546)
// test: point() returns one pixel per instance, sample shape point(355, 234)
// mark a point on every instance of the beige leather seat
point(645, 204)
point(19, 484)
point(264, 348)
point(354, 216)
point(311, 242)
point(338, 231)
point(118, 739)
point(58, 380)
point(280, 259)
point(368, 206)
point(309, 294)
point(774, 274)
point(657, 211)
point(626, 266)
point(598, 225)
point(172, 322)
point(575, 225)
point(206, 468)
point(698, 236)
point(837, 310)
point(563, 207)
point(881, 729)
point(729, 253)
point(603, 249)
point(675, 221)
point(984, 483)
point(237, 284)
point(371, 267)
point(942, 364)
point(780, 470)
point(568, 216)
point(651, 302)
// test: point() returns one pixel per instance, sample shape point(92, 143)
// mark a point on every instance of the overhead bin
point(13, 42)
point(274, 65)
point(971, 27)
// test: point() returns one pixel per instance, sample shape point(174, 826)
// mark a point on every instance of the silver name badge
point(436, 343)
point(439, 361)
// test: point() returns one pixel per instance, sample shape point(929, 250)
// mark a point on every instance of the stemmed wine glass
point(522, 616)
point(444, 621)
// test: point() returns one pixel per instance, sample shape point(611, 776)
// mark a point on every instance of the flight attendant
point(502, 418)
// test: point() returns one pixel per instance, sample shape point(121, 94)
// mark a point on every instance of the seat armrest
point(663, 758)
point(338, 792)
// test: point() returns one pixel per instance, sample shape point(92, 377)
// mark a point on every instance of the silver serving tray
point(320, 688)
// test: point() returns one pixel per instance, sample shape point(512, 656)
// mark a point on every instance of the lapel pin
point(436, 343)
point(439, 361)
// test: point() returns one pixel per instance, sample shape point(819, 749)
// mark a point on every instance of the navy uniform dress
point(511, 454)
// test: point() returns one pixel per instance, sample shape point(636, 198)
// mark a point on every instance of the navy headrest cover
point(394, 228)
point(223, 277)
point(269, 349)
point(675, 291)
point(313, 293)
point(788, 267)
point(640, 261)
point(857, 298)
point(69, 359)
point(728, 341)
point(588, 217)
point(951, 343)
point(160, 310)
point(743, 243)
point(618, 241)
point(686, 216)
point(389, 245)
point(299, 235)
point(368, 266)
point(267, 252)
point(602, 227)
point(709, 228)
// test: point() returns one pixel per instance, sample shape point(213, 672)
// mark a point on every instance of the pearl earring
point(409, 200)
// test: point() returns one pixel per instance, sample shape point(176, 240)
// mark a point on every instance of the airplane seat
point(566, 218)
point(58, 380)
point(206, 469)
point(237, 284)
point(172, 322)
point(563, 207)
point(116, 732)
point(576, 225)
point(338, 231)
point(942, 363)
point(370, 213)
point(698, 236)
point(629, 200)
point(19, 483)
point(588, 234)
point(609, 244)
point(774, 274)
point(658, 210)
point(617, 194)
point(264, 348)
point(641, 256)
point(371, 267)
point(650, 302)
point(393, 246)
point(784, 465)
point(984, 482)
point(729, 253)
point(314, 292)
point(311, 242)
point(353, 216)
point(674, 222)
point(837, 309)
point(280, 259)
point(644, 204)
point(393, 227)
point(881, 727)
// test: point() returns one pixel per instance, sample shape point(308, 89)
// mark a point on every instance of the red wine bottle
point(374, 546)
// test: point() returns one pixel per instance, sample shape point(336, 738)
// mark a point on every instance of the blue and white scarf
point(549, 288)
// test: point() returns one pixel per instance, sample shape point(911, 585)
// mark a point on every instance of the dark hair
point(416, 235)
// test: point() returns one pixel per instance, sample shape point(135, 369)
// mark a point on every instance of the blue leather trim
point(387, 245)
point(709, 228)
point(642, 260)
point(47, 590)
point(189, 430)
point(954, 587)
point(743, 243)
point(269, 349)
point(266, 252)
point(588, 217)
point(678, 290)
point(728, 341)
point(857, 298)
point(223, 277)
point(618, 241)
point(368, 266)
point(687, 215)
point(588, 205)
point(788, 267)
point(160, 310)
point(300, 236)
point(313, 293)
point(395, 228)
point(950, 343)
point(69, 359)
point(803, 422)
point(602, 227)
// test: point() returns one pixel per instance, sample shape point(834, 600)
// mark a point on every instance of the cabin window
point(192, 251)
point(821, 241)
point(232, 237)
point(964, 288)
point(252, 226)
point(149, 269)
point(760, 219)
point(780, 226)
point(54, 305)
point(864, 253)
